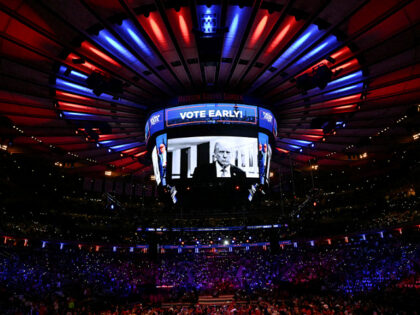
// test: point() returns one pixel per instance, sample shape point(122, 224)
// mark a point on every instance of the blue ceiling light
point(348, 79)
point(346, 90)
point(112, 45)
point(329, 43)
point(106, 142)
point(72, 74)
point(126, 146)
point(62, 70)
point(72, 87)
point(209, 23)
point(76, 113)
point(296, 142)
point(77, 88)
point(80, 89)
point(231, 34)
point(293, 146)
point(128, 31)
point(78, 75)
point(340, 124)
point(78, 116)
point(311, 34)
point(208, 19)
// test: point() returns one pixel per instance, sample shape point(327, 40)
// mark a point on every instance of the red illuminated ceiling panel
point(159, 53)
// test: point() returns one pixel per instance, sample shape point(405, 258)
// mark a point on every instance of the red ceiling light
point(100, 54)
point(185, 32)
point(258, 30)
point(280, 36)
point(158, 33)
point(140, 154)
point(282, 150)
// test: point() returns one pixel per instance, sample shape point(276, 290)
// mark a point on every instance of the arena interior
point(209, 157)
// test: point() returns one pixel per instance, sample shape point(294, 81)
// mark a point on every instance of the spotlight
point(322, 75)
point(101, 84)
point(305, 82)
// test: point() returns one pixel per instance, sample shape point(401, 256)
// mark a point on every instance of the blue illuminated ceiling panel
point(208, 19)
point(236, 18)
point(314, 54)
point(309, 37)
point(83, 90)
point(135, 39)
point(112, 45)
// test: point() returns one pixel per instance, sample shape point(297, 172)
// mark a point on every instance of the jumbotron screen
point(232, 151)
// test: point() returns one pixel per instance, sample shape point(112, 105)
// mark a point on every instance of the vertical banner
point(263, 157)
point(161, 148)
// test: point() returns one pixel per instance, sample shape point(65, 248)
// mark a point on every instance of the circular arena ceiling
point(78, 78)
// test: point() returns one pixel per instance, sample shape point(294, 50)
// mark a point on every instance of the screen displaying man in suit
point(221, 167)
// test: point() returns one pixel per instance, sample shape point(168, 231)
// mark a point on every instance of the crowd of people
point(378, 273)
point(78, 280)
point(105, 228)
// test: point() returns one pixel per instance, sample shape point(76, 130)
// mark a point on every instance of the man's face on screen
point(223, 154)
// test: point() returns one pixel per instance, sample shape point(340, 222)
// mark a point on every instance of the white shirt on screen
point(222, 172)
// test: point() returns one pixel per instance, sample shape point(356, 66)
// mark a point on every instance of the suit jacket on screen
point(208, 172)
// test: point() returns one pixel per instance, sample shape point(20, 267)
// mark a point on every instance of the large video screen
point(211, 157)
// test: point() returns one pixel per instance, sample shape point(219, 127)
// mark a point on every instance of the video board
point(217, 160)
point(210, 113)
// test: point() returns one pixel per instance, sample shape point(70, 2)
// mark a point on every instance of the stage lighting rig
point(328, 124)
point(100, 83)
point(321, 75)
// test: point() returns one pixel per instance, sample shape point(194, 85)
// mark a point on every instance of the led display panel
point(159, 159)
point(210, 157)
point(211, 114)
point(154, 124)
point(267, 120)
point(264, 157)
